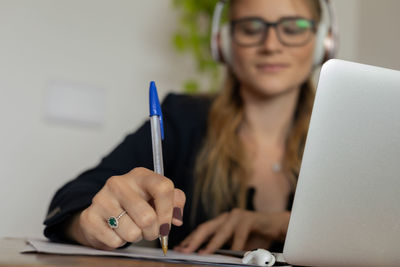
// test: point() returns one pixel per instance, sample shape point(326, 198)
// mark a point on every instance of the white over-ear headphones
point(326, 36)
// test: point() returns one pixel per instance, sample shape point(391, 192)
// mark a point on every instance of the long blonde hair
point(221, 164)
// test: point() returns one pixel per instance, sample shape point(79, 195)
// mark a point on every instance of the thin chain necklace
point(276, 166)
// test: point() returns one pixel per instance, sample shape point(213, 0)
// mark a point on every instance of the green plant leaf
point(192, 36)
point(191, 86)
point(179, 42)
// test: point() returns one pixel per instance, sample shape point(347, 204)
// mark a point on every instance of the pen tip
point(164, 244)
point(164, 249)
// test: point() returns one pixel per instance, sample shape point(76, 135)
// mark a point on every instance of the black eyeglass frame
point(274, 25)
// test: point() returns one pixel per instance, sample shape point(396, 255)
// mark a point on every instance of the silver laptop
point(346, 210)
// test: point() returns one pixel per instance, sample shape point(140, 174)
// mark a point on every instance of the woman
point(235, 156)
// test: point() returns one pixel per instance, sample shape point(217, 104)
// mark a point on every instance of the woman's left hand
point(236, 225)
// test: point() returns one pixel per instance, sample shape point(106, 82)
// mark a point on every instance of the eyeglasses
point(291, 31)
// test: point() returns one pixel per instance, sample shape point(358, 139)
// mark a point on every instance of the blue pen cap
point(155, 107)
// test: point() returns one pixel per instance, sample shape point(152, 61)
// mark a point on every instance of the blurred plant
point(193, 36)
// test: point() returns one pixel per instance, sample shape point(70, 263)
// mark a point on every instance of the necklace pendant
point(276, 167)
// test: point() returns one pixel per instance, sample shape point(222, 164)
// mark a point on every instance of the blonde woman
point(231, 160)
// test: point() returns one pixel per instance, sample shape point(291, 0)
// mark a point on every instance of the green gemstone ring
point(113, 221)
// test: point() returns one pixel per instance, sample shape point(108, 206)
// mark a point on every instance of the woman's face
point(271, 68)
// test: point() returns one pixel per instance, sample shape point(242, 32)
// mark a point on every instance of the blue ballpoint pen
point(157, 134)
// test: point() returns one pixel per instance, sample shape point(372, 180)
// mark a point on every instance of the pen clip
point(161, 125)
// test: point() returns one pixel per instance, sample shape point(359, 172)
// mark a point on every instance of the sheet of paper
point(44, 246)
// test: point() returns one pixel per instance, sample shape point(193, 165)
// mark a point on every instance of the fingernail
point(177, 214)
point(164, 229)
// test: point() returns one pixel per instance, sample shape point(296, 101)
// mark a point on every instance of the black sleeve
point(134, 151)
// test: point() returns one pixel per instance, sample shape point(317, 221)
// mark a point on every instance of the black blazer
point(185, 125)
point(185, 122)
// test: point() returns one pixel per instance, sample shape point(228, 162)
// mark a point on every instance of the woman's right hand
point(151, 203)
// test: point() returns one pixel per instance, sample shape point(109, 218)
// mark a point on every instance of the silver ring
point(113, 221)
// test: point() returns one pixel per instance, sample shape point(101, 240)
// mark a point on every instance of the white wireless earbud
point(260, 257)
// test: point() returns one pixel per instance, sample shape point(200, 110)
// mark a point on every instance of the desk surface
point(10, 256)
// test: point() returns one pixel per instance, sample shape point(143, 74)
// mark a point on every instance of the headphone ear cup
point(320, 51)
point(326, 36)
point(225, 45)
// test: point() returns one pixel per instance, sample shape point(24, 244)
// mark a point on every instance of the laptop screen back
point(346, 210)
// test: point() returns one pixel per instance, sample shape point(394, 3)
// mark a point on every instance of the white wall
point(369, 31)
point(117, 46)
point(379, 35)
point(347, 21)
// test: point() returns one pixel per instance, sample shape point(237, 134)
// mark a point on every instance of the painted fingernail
point(164, 229)
point(177, 214)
